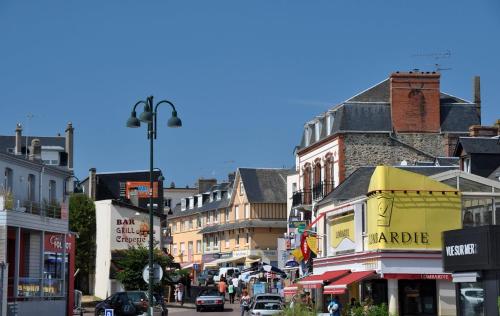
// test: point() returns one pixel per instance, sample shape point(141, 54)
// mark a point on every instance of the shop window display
point(417, 297)
point(471, 299)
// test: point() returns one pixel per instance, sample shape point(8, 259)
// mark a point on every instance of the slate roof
point(495, 175)
point(10, 141)
point(447, 161)
point(478, 145)
point(356, 184)
point(243, 224)
point(210, 206)
point(264, 185)
point(370, 111)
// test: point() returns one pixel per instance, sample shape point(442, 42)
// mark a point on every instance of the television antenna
point(436, 56)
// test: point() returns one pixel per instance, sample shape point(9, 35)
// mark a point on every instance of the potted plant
point(6, 199)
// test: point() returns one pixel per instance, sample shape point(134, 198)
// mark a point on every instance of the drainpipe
point(40, 189)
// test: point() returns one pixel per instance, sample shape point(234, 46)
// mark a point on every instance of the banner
point(142, 188)
point(409, 211)
point(312, 243)
point(304, 248)
point(341, 229)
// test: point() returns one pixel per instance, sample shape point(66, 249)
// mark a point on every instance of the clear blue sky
point(244, 75)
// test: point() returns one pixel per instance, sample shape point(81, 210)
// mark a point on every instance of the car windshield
point(137, 296)
point(210, 292)
point(268, 306)
point(474, 293)
point(267, 297)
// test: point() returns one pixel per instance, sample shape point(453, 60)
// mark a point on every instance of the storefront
point(472, 255)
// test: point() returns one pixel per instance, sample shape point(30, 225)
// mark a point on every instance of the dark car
point(206, 277)
point(210, 299)
point(129, 303)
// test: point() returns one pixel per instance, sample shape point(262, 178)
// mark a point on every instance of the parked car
point(226, 272)
point(265, 307)
point(209, 299)
point(128, 303)
point(206, 277)
point(265, 297)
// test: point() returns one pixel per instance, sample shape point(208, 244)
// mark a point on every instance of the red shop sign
point(417, 276)
point(304, 248)
point(55, 242)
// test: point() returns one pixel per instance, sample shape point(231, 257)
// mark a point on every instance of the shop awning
point(187, 266)
point(226, 260)
point(316, 281)
point(339, 286)
point(211, 264)
point(290, 290)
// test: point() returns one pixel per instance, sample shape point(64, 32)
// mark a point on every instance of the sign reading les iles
point(142, 188)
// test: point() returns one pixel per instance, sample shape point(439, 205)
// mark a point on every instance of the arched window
point(8, 181)
point(318, 185)
point(328, 173)
point(307, 184)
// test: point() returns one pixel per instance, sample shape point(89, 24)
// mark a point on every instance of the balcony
point(46, 209)
point(304, 198)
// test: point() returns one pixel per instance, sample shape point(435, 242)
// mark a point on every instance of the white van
point(225, 272)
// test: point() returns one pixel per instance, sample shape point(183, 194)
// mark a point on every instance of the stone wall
point(380, 149)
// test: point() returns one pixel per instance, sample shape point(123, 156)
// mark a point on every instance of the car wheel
point(221, 309)
point(198, 309)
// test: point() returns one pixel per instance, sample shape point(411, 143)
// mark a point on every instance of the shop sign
point(470, 249)
point(341, 233)
point(55, 243)
point(142, 189)
point(131, 232)
point(210, 257)
point(241, 253)
point(409, 211)
point(417, 276)
point(304, 247)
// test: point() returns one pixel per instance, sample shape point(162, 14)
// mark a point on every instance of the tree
point(130, 263)
point(82, 221)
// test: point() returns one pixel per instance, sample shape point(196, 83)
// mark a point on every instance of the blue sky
point(244, 75)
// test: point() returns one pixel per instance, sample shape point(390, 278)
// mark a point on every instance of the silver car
point(265, 307)
point(209, 299)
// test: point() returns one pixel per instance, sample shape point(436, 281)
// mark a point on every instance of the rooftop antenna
point(29, 116)
point(436, 56)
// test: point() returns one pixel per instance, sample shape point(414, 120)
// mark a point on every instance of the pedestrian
point(334, 307)
point(222, 288)
point(179, 289)
point(236, 283)
point(230, 291)
point(244, 302)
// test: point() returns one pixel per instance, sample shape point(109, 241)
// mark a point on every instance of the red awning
point(290, 290)
point(339, 286)
point(316, 281)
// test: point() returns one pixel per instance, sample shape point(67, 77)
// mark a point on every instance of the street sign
point(196, 267)
point(157, 273)
point(109, 312)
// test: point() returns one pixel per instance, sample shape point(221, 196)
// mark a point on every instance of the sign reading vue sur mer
point(409, 211)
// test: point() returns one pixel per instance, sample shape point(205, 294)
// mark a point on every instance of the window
point(52, 192)
point(190, 251)
point(182, 227)
point(317, 130)
point(237, 239)
point(198, 246)
point(227, 214)
point(182, 249)
point(247, 211)
point(241, 187)
point(248, 239)
point(31, 187)
point(216, 241)
point(236, 212)
point(168, 203)
point(227, 240)
point(216, 216)
point(8, 181)
point(208, 218)
point(477, 211)
point(191, 224)
point(467, 164)
point(175, 250)
point(198, 221)
point(183, 204)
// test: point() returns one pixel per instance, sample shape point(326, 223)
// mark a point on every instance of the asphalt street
point(229, 310)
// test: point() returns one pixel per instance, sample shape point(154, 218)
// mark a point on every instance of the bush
point(298, 309)
point(368, 310)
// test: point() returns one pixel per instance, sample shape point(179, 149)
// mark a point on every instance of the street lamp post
point(149, 116)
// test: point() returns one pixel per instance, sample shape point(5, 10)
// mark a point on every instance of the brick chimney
point(35, 150)
point(19, 142)
point(484, 131)
point(69, 144)
point(477, 95)
point(415, 102)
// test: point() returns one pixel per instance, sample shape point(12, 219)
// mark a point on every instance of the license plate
point(209, 302)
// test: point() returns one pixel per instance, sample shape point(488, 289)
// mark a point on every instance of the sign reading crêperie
point(131, 231)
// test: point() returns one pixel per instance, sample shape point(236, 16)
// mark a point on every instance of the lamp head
point(132, 121)
point(147, 115)
point(174, 121)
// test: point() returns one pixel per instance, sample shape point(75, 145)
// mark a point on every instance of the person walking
point(236, 283)
point(230, 291)
point(222, 288)
point(179, 291)
point(334, 307)
point(244, 301)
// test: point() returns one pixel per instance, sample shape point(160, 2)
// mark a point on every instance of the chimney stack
point(19, 131)
point(477, 95)
point(69, 144)
point(204, 185)
point(92, 183)
point(35, 150)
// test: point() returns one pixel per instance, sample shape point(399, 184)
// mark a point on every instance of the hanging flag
point(312, 242)
point(304, 248)
point(297, 254)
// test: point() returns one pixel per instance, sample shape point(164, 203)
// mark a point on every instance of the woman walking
point(244, 301)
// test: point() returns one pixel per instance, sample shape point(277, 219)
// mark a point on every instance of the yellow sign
point(409, 211)
point(341, 228)
point(297, 254)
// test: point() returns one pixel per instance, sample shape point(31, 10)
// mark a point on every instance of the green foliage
point(82, 221)
point(298, 309)
point(132, 261)
point(8, 198)
point(369, 310)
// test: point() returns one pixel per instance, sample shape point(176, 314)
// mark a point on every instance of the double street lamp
point(149, 116)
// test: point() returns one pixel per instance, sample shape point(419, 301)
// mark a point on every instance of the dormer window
point(317, 130)
point(329, 123)
point(219, 195)
point(211, 197)
point(214, 195)
point(183, 204)
point(191, 202)
point(200, 200)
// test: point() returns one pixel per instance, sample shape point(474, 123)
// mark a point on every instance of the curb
point(186, 306)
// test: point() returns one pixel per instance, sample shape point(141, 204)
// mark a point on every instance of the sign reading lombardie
point(409, 211)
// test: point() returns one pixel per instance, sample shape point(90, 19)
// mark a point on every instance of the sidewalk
point(185, 305)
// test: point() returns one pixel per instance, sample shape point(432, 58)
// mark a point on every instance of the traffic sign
point(109, 312)
point(196, 267)
point(157, 273)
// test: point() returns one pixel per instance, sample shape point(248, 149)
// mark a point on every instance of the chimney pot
point(69, 144)
point(35, 150)
point(19, 131)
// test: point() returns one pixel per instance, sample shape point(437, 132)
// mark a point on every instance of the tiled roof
point(264, 185)
point(478, 145)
